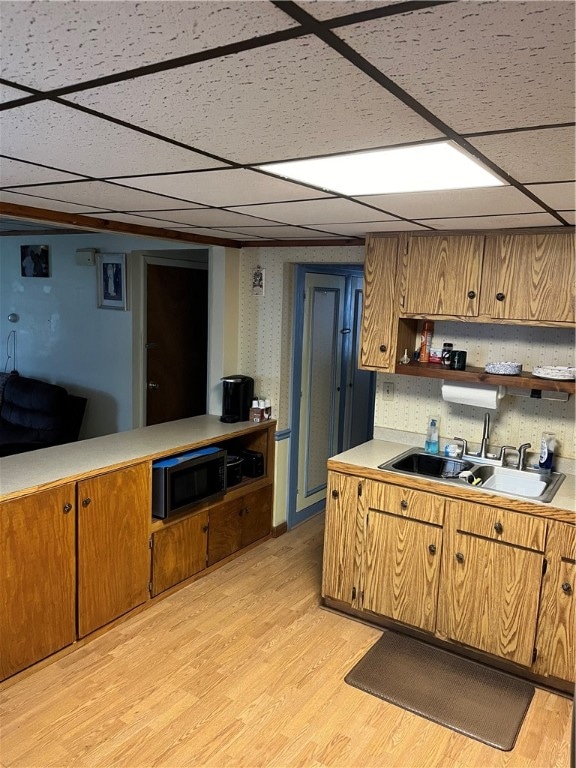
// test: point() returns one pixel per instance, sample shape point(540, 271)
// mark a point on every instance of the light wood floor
point(242, 668)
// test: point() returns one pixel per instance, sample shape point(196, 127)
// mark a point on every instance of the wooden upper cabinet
point(379, 313)
point(114, 513)
point(37, 577)
point(529, 277)
point(441, 275)
point(555, 638)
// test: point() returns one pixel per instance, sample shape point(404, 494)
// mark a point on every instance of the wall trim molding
point(282, 434)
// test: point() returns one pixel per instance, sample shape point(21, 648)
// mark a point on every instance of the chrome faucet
point(522, 455)
point(485, 437)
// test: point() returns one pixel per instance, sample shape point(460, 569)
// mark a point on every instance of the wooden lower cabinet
point(113, 545)
point(490, 579)
point(235, 524)
point(179, 551)
point(382, 549)
point(343, 536)
point(37, 577)
point(557, 619)
point(402, 554)
point(492, 569)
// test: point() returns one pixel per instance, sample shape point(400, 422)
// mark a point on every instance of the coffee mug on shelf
point(458, 360)
point(446, 352)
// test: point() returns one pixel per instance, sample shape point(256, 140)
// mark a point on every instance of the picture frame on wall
point(111, 272)
point(35, 261)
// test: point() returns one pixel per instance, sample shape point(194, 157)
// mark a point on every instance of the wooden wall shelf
point(474, 375)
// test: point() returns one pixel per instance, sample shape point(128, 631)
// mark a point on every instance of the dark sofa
point(35, 414)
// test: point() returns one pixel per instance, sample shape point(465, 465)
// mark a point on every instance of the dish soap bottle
point(547, 445)
point(431, 445)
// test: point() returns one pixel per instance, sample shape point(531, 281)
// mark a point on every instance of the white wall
point(62, 336)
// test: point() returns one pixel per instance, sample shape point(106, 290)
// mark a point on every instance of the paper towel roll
point(480, 395)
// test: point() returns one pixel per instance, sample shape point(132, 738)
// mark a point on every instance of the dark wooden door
point(177, 342)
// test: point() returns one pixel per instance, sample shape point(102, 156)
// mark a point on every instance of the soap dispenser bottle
point(432, 439)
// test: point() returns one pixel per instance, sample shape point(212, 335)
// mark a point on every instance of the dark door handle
point(567, 588)
point(86, 502)
point(432, 549)
point(498, 527)
point(67, 508)
point(383, 348)
point(471, 294)
point(500, 296)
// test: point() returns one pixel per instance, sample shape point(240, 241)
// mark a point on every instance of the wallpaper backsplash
point(517, 420)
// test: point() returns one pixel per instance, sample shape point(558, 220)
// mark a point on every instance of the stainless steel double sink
point(480, 474)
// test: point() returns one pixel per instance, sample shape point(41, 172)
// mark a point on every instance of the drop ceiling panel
point(479, 65)
point(15, 172)
point(311, 212)
point(360, 229)
point(287, 233)
point(294, 99)
point(41, 202)
point(10, 94)
point(455, 202)
point(48, 133)
point(142, 220)
point(96, 39)
point(558, 196)
point(226, 234)
point(531, 156)
point(101, 194)
point(225, 188)
point(327, 9)
point(495, 222)
point(208, 217)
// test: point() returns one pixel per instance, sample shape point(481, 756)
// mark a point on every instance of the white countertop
point(375, 452)
point(29, 471)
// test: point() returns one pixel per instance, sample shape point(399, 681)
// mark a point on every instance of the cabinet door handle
point(383, 348)
point(404, 504)
point(335, 494)
point(460, 557)
point(204, 529)
point(500, 296)
point(67, 508)
point(471, 294)
point(567, 588)
point(86, 502)
point(432, 549)
point(498, 527)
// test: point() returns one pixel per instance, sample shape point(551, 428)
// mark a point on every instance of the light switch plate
point(387, 390)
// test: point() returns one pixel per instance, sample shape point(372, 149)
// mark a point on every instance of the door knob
point(432, 549)
point(86, 502)
point(498, 527)
point(460, 557)
point(567, 588)
point(153, 385)
point(67, 508)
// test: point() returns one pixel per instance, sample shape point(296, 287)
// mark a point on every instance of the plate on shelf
point(558, 372)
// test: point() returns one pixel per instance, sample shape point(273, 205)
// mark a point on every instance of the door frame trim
point(345, 270)
point(137, 263)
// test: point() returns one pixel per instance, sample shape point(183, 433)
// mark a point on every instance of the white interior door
point(321, 382)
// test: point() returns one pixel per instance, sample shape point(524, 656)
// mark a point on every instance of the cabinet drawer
point(406, 502)
point(500, 525)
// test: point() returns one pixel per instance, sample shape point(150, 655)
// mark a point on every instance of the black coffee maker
point(237, 394)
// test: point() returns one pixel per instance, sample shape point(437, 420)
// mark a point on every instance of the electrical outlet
point(387, 390)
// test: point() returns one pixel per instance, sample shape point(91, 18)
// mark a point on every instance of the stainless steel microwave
point(180, 482)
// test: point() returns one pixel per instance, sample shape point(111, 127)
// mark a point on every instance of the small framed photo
point(111, 271)
point(35, 261)
point(258, 281)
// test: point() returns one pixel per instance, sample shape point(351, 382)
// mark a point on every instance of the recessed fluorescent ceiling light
point(423, 168)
